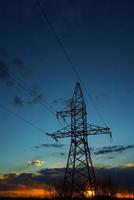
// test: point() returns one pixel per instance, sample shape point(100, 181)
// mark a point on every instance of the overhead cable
point(45, 16)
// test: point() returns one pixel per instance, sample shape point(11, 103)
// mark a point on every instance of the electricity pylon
point(79, 173)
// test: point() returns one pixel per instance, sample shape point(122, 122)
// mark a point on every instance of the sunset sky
point(99, 37)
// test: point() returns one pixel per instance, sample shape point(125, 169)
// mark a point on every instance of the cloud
point(26, 183)
point(6, 78)
point(52, 174)
point(9, 176)
point(18, 101)
point(34, 91)
point(113, 149)
point(36, 96)
point(9, 69)
point(35, 100)
point(119, 175)
point(128, 165)
point(110, 157)
point(54, 145)
point(23, 185)
point(36, 163)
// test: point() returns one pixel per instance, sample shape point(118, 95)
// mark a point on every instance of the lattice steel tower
point(79, 173)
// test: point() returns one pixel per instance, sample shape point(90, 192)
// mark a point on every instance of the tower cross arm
point(66, 112)
point(62, 133)
point(98, 130)
point(91, 130)
point(63, 114)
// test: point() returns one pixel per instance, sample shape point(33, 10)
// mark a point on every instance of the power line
point(22, 118)
point(29, 92)
point(51, 109)
point(45, 16)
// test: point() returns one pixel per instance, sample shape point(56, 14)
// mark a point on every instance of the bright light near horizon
point(89, 193)
point(128, 165)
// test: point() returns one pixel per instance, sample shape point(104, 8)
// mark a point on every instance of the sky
point(98, 36)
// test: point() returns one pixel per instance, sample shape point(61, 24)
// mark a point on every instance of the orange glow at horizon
point(29, 192)
point(124, 195)
point(48, 193)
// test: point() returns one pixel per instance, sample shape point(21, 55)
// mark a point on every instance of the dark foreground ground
point(97, 198)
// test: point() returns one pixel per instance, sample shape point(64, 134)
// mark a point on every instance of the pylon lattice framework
point(79, 173)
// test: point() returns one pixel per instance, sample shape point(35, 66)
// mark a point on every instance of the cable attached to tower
point(45, 16)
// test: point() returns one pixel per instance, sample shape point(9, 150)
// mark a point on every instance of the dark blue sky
point(98, 36)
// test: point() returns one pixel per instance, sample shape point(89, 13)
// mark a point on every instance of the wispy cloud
point(53, 145)
point(6, 77)
point(18, 101)
point(36, 96)
point(35, 100)
point(113, 149)
point(9, 66)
